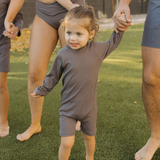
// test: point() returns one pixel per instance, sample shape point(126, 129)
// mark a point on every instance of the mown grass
point(122, 127)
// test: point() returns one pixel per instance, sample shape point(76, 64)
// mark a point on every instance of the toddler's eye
point(69, 33)
point(79, 34)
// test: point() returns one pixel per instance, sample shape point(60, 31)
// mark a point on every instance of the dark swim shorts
point(52, 13)
point(5, 60)
point(151, 34)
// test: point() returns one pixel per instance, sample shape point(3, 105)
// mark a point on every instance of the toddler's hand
point(35, 95)
point(122, 8)
point(122, 18)
point(12, 33)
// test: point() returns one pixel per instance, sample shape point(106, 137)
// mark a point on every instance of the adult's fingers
point(128, 14)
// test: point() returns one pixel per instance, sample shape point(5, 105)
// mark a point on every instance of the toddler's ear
point(92, 33)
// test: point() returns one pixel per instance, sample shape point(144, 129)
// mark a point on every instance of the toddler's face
point(76, 35)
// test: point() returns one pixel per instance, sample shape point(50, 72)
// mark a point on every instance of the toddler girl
point(79, 62)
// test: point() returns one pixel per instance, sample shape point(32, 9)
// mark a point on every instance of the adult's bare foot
point(4, 130)
point(29, 132)
point(147, 152)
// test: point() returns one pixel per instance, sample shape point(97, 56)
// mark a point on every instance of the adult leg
point(43, 41)
point(65, 147)
point(4, 105)
point(151, 99)
point(90, 146)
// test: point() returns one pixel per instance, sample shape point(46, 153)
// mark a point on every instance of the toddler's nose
point(73, 37)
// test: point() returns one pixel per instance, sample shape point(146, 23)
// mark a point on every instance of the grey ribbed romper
point(80, 70)
point(5, 41)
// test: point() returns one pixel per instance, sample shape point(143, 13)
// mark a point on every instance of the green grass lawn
point(122, 127)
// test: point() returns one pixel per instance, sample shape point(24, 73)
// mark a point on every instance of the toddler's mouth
point(74, 44)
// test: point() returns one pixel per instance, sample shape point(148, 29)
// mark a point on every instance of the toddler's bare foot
point(29, 132)
point(4, 130)
point(78, 126)
point(147, 152)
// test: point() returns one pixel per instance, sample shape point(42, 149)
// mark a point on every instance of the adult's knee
point(3, 88)
point(151, 79)
point(34, 77)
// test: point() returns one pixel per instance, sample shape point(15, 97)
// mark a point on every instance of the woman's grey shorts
point(5, 60)
point(52, 13)
point(151, 34)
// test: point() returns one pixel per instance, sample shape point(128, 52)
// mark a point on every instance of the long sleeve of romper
point(104, 49)
point(52, 78)
point(18, 21)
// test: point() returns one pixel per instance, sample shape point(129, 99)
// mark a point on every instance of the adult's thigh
point(43, 41)
point(3, 77)
point(151, 64)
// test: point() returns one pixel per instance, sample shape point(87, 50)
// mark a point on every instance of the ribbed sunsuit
point(80, 70)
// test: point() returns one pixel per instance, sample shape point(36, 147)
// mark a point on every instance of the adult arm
point(14, 7)
point(123, 7)
point(67, 4)
point(18, 22)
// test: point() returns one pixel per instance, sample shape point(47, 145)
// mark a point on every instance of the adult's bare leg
point(151, 99)
point(4, 105)
point(43, 41)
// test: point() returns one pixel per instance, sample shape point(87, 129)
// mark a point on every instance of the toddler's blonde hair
point(83, 12)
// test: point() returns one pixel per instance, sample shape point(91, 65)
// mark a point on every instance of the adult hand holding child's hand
point(11, 31)
point(119, 23)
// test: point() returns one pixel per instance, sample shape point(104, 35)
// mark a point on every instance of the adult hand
point(8, 26)
point(11, 32)
point(74, 5)
point(118, 24)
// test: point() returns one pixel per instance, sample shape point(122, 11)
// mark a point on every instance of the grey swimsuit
point(53, 13)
